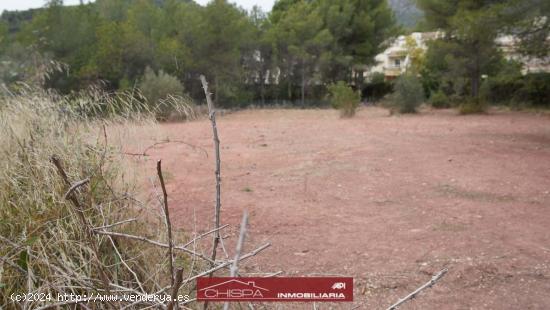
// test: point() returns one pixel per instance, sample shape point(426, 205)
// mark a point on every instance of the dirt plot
point(389, 200)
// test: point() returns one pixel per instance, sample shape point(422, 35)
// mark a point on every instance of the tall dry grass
point(44, 246)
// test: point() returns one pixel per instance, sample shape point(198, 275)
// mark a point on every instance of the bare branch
point(242, 234)
point(412, 295)
point(217, 209)
point(154, 145)
point(75, 186)
point(235, 266)
point(205, 234)
point(64, 303)
point(168, 223)
point(134, 274)
point(115, 224)
point(225, 264)
point(79, 211)
point(153, 242)
point(175, 288)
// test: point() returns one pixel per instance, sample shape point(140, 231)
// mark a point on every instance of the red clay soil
point(389, 200)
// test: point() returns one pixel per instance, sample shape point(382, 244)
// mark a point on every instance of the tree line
point(467, 63)
point(289, 54)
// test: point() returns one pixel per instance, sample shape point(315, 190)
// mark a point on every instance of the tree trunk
point(262, 86)
point(216, 90)
point(475, 87)
point(303, 83)
point(475, 78)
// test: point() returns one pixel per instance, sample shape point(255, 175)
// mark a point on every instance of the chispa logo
point(233, 289)
point(275, 289)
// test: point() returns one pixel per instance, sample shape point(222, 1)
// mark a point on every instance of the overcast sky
point(266, 5)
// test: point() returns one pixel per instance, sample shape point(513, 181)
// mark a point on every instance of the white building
point(395, 60)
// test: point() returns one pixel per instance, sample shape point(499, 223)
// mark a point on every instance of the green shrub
point(536, 89)
point(408, 94)
point(344, 98)
point(377, 88)
point(531, 89)
point(158, 87)
point(472, 106)
point(439, 100)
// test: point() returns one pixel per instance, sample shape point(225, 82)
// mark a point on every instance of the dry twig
point(80, 212)
point(168, 223)
point(412, 295)
point(175, 288)
point(235, 266)
point(217, 210)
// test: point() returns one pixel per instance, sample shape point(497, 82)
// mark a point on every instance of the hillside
point(406, 12)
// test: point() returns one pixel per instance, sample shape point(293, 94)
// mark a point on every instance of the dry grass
point(45, 245)
point(72, 220)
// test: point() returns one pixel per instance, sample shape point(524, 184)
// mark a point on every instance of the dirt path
point(387, 200)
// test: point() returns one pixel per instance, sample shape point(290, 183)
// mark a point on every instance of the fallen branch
point(412, 295)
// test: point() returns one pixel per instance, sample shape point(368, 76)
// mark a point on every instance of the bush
point(531, 89)
point(158, 87)
point(439, 100)
point(536, 89)
point(408, 94)
point(377, 88)
point(472, 106)
point(344, 98)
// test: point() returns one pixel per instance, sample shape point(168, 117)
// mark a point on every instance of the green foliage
point(359, 29)
point(468, 49)
point(301, 44)
point(531, 89)
point(472, 106)
point(344, 98)
point(156, 88)
point(376, 88)
point(406, 12)
point(439, 100)
point(408, 93)
point(528, 20)
point(301, 39)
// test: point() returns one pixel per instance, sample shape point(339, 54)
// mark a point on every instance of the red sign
point(275, 289)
